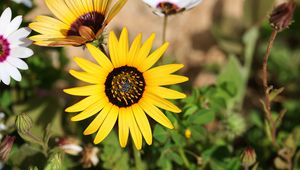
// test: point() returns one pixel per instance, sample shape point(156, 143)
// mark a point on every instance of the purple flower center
point(4, 49)
point(93, 20)
point(169, 8)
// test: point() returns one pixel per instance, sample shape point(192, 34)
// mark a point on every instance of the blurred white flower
point(69, 145)
point(27, 3)
point(13, 47)
point(169, 7)
point(89, 156)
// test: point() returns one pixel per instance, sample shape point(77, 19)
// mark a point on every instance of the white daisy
point(27, 3)
point(13, 47)
point(169, 7)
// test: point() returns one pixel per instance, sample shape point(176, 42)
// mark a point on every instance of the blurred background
point(222, 44)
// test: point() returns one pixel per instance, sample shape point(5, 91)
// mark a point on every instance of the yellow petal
point(155, 113)
point(123, 47)
point(134, 130)
point(144, 51)
point(91, 110)
point(86, 90)
point(161, 103)
point(74, 7)
point(113, 49)
point(163, 70)
point(89, 78)
point(143, 123)
point(61, 11)
point(115, 9)
point(123, 126)
point(164, 80)
point(153, 58)
point(88, 66)
point(100, 57)
point(97, 122)
point(107, 125)
point(165, 92)
point(83, 104)
point(134, 49)
point(105, 6)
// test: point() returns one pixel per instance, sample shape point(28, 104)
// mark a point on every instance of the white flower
point(169, 7)
point(27, 3)
point(13, 47)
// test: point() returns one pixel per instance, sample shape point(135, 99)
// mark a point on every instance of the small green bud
point(248, 157)
point(55, 161)
point(23, 123)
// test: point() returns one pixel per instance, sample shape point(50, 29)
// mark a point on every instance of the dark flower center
point(124, 86)
point(169, 8)
point(93, 20)
point(4, 49)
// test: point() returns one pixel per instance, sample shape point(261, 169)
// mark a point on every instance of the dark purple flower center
point(124, 86)
point(169, 8)
point(93, 20)
point(4, 49)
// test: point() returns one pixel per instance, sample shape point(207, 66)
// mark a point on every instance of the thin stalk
point(165, 25)
point(184, 158)
point(267, 89)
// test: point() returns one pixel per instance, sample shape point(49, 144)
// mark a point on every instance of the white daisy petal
point(151, 3)
point(5, 19)
point(13, 72)
point(14, 43)
point(16, 37)
point(21, 52)
point(13, 26)
point(20, 64)
point(4, 76)
point(180, 4)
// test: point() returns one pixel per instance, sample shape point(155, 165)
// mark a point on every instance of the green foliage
point(222, 118)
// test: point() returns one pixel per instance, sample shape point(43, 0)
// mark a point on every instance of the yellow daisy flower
point(125, 88)
point(79, 21)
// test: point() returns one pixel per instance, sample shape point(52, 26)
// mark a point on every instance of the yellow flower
point(124, 88)
point(79, 21)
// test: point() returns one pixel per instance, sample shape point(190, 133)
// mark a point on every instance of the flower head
point(282, 16)
point(78, 22)
point(169, 7)
point(13, 47)
point(248, 157)
point(124, 88)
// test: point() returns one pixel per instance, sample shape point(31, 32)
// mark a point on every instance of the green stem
point(184, 158)
point(165, 25)
point(137, 159)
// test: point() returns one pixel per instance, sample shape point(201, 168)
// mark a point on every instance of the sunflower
point(125, 88)
point(79, 21)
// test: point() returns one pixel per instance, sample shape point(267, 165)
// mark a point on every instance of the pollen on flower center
point(124, 86)
point(169, 8)
point(4, 49)
point(93, 20)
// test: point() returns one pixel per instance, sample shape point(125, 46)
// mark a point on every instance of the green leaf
point(177, 138)
point(160, 134)
point(202, 117)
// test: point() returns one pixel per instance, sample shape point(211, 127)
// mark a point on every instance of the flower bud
point(23, 123)
point(187, 133)
point(282, 15)
point(5, 147)
point(89, 156)
point(248, 157)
